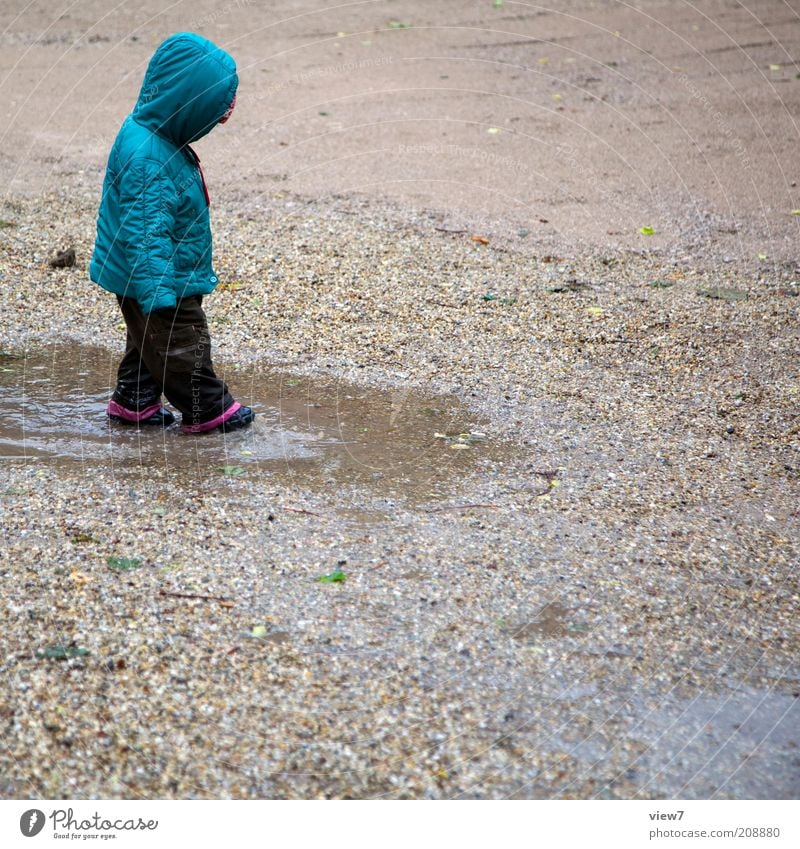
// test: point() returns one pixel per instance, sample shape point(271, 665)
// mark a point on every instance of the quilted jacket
point(153, 234)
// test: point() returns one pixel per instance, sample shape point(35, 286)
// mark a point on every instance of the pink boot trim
point(115, 409)
point(202, 428)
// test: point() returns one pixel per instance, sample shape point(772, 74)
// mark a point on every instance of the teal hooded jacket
point(153, 232)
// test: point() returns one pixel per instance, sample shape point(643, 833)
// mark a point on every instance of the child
point(153, 246)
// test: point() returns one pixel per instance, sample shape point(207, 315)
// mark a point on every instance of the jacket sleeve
point(147, 206)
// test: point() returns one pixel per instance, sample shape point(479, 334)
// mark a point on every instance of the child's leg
point(137, 395)
point(176, 348)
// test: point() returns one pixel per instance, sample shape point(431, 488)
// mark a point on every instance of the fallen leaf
point(720, 293)
point(493, 131)
point(595, 310)
point(661, 284)
point(81, 538)
point(646, 231)
point(335, 577)
point(482, 239)
point(775, 67)
point(62, 652)
point(399, 24)
point(259, 631)
point(63, 259)
point(123, 564)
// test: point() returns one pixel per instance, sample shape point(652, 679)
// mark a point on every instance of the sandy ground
point(600, 599)
point(582, 122)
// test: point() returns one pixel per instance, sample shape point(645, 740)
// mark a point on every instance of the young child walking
point(153, 246)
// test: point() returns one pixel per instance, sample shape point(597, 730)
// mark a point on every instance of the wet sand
point(557, 467)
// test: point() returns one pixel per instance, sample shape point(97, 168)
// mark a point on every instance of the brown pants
point(169, 351)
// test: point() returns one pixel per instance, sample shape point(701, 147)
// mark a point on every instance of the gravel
point(609, 620)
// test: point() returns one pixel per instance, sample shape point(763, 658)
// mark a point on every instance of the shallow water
point(321, 433)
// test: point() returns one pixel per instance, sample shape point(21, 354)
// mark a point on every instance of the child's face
point(228, 111)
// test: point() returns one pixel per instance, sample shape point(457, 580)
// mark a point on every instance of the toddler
point(153, 245)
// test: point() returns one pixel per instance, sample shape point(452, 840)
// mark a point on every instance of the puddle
point(740, 744)
point(319, 433)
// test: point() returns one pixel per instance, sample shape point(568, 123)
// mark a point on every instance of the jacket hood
point(188, 86)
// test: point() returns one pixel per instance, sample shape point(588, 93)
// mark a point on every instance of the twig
point(301, 510)
point(193, 595)
point(443, 304)
point(448, 230)
point(461, 507)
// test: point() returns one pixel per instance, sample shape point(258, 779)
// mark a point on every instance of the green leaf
point(233, 471)
point(324, 114)
point(123, 564)
point(335, 577)
point(662, 284)
point(646, 231)
point(489, 296)
point(259, 631)
point(62, 652)
point(399, 24)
